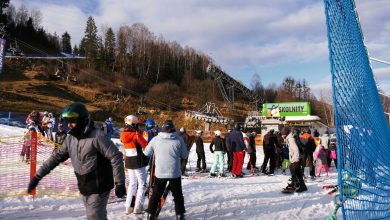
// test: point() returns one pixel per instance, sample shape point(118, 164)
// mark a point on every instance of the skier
point(320, 158)
point(200, 152)
point(284, 154)
point(96, 161)
point(297, 182)
point(252, 153)
point(168, 147)
point(309, 144)
point(151, 130)
point(189, 141)
point(135, 163)
point(270, 143)
point(237, 147)
point(229, 153)
point(219, 153)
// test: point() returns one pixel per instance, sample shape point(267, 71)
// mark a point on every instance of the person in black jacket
point(252, 153)
point(219, 151)
point(96, 161)
point(188, 140)
point(308, 143)
point(200, 152)
point(59, 137)
point(229, 153)
point(270, 142)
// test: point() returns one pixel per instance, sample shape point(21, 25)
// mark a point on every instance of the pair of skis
point(150, 190)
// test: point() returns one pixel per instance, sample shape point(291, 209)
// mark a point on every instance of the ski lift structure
point(14, 50)
point(209, 113)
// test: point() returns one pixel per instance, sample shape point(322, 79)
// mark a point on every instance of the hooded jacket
point(236, 141)
point(168, 149)
point(292, 148)
point(96, 160)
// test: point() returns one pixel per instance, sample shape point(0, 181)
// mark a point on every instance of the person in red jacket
point(135, 163)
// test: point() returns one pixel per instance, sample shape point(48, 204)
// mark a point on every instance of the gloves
point(120, 190)
point(33, 184)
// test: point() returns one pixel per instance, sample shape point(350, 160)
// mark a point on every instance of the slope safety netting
point(363, 135)
point(17, 163)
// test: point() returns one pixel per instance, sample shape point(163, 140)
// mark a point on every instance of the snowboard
point(288, 190)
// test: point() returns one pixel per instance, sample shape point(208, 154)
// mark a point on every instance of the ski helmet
point(168, 126)
point(75, 112)
point(149, 123)
point(131, 120)
point(217, 133)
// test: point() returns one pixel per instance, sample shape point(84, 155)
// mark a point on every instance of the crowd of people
point(163, 152)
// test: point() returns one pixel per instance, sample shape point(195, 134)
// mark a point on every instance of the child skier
point(320, 156)
point(285, 157)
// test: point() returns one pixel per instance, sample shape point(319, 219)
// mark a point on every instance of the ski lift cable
point(110, 82)
point(379, 60)
point(97, 77)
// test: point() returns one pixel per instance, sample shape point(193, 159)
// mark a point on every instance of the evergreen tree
point(66, 46)
point(76, 50)
point(109, 46)
point(3, 4)
point(91, 40)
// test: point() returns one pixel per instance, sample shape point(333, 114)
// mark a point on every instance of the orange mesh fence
point(19, 160)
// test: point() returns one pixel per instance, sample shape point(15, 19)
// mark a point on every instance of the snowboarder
point(168, 147)
point(200, 152)
point(297, 182)
point(96, 161)
point(219, 152)
point(135, 163)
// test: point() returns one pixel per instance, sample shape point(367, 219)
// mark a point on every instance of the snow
point(251, 197)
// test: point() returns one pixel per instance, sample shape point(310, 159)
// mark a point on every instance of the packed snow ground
point(251, 197)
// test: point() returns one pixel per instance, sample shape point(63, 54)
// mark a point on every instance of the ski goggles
point(70, 117)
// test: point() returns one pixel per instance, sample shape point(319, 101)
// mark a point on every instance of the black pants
point(158, 190)
point(230, 161)
point(309, 156)
point(183, 164)
point(330, 160)
point(252, 161)
point(297, 175)
point(201, 159)
point(269, 155)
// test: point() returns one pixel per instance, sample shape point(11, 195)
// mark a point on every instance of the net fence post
point(33, 158)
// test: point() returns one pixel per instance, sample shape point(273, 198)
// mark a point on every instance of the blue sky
point(272, 38)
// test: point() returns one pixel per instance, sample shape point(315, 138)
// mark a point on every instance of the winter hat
point(168, 126)
point(217, 133)
point(198, 132)
point(271, 130)
point(182, 130)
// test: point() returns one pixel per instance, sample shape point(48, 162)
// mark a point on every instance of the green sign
point(282, 109)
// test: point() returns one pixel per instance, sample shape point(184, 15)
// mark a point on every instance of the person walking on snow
point(96, 161)
point(168, 148)
point(237, 147)
point(219, 152)
point(309, 144)
point(135, 163)
point(200, 152)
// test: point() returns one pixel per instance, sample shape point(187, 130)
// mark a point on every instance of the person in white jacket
point(297, 182)
point(168, 148)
